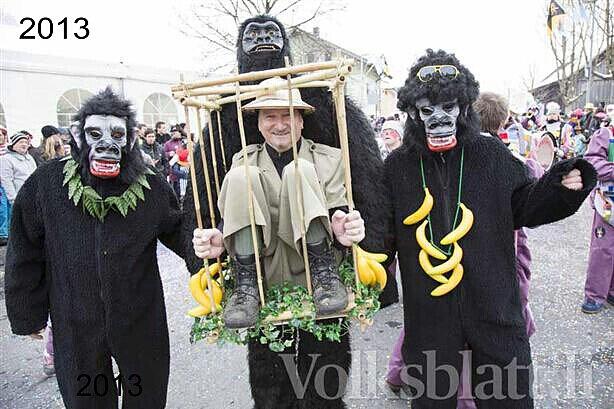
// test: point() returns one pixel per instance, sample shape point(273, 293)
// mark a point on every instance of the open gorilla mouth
point(441, 142)
point(264, 47)
point(104, 168)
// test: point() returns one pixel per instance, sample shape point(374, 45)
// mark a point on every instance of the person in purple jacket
point(599, 285)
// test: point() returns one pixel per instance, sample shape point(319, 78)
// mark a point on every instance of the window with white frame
point(159, 107)
point(69, 104)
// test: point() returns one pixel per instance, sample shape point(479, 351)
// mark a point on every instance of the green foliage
point(93, 203)
point(296, 300)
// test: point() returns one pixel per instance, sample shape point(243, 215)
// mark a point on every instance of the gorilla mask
point(260, 38)
point(438, 96)
point(104, 140)
point(439, 123)
point(262, 44)
point(106, 136)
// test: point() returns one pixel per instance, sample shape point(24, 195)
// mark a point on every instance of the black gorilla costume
point(483, 313)
point(99, 281)
point(271, 387)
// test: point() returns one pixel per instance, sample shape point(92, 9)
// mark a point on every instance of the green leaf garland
point(93, 203)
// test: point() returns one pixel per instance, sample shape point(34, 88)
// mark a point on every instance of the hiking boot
point(241, 310)
point(329, 292)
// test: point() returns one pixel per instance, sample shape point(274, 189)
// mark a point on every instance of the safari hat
point(278, 99)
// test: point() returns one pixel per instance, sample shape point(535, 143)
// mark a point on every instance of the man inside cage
point(276, 185)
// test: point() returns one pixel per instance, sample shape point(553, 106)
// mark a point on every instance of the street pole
point(590, 56)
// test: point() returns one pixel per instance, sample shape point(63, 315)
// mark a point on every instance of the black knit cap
point(49, 130)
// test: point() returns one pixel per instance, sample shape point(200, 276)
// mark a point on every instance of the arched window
point(2, 117)
point(159, 107)
point(69, 104)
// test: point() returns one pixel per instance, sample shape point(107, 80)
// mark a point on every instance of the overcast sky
point(498, 40)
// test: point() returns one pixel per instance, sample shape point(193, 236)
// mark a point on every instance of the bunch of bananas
point(198, 289)
point(370, 271)
point(453, 263)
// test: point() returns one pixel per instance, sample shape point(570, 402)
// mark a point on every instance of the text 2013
point(44, 28)
point(100, 385)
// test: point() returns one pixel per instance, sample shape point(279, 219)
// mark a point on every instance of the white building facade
point(38, 90)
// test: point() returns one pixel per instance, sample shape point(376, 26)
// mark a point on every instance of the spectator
point(4, 216)
point(155, 151)
point(48, 131)
point(15, 167)
point(161, 135)
point(179, 172)
point(174, 144)
point(391, 137)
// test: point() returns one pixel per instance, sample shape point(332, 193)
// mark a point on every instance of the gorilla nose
point(114, 150)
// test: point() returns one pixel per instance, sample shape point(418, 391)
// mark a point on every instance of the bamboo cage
point(228, 90)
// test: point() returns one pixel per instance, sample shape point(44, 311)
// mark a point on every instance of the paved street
point(573, 353)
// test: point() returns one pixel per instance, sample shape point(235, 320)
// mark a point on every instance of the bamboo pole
point(219, 131)
point(209, 198)
point(299, 182)
point(250, 198)
point(339, 100)
point(199, 220)
point(270, 88)
point(191, 102)
point(218, 91)
point(259, 75)
point(213, 158)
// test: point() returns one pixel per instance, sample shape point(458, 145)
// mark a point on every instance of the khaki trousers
point(281, 230)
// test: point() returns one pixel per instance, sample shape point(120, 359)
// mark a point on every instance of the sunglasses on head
point(426, 74)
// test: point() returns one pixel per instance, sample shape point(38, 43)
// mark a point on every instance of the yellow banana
point(426, 265)
point(379, 272)
point(365, 274)
point(423, 210)
point(462, 229)
point(218, 293)
point(199, 311)
point(214, 269)
point(198, 292)
point(379, 257)
point(455, 278)
point(425, 244)
point(448, 265)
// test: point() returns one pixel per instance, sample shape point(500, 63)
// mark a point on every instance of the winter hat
point(16, 138)
point(394, 125)
point(552, 108)
point(49, 130)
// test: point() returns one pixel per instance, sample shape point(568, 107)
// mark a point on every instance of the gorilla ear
point(412, 113)
point(134, 138)
point(76, 135)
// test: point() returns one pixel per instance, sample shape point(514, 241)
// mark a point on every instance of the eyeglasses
point(426, 74)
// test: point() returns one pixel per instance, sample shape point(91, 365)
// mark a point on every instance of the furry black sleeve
point(547, 200)
point(25, 282)
point(170, 227)
point(390, 294)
